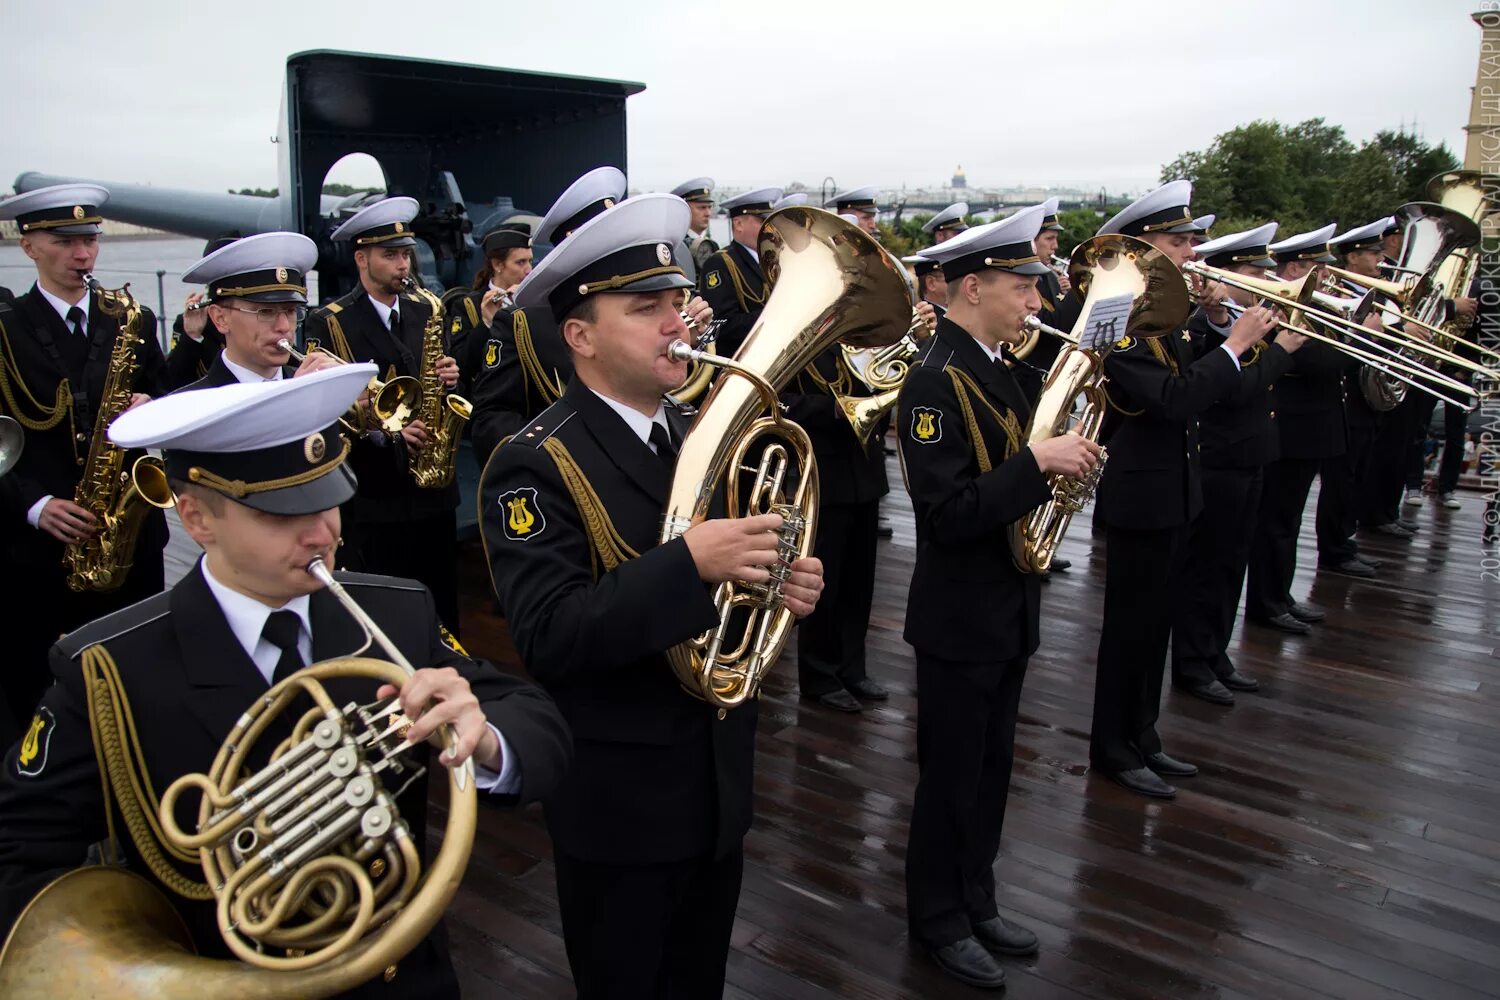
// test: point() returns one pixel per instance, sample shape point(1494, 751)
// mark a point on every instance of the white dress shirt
point(63, 307)
point(1223, 331)
point(244, 374)
point(34, 514)
point(384, 311)
point(247, 620)
point(638, 422)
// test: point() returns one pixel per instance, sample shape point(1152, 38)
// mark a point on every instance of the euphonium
point(883, 370)
point(12, 443)
point(316, 877)
point(829, 282)
point(117, 498)
point(393, 403)
point(1109, 271)
point(443, 413)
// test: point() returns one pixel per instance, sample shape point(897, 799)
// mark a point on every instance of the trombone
point(1300, 298)
point(1402, 294)
point(394, 403)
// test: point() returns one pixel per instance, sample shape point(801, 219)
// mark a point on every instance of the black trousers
point(831, 640)
point(1278, 523)
point(649, 931)
point(423, 549)
point(966, 735)
point(45, 610)
point(1350, 496)
point(1388, 460)
point(1455, 430)
point(1139, 569)
point(1213, 574)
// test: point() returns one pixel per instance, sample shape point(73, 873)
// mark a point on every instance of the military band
point(289, 437)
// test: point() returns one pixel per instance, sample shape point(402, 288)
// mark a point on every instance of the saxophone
point(443, 413)
point(118, 499)
point(1131, 290)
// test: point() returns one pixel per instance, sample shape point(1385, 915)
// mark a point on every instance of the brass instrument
point(443, 413)
point(883, 370)
point(1405, 294)
point(316, 877)
point(393, 403)
point(117, 498)
point(700, 373)
point(12, 443)
point(830, 282)
point(1304, 299)
point(1105, 270)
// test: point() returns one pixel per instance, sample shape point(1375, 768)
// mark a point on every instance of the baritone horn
point(315, 877)
point(1129, 289)
point(830, 282)
point(394, 403)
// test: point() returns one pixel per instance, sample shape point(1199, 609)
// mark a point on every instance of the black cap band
point(645, 268)
point(61, 217)
point(1167, 220)
point(277, 284)
point(562, 229)
point(861, 205)
point(1018, 258)
point(507, 237)
point(298, 477)
point(752, 208)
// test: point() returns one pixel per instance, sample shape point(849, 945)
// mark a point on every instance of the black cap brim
point(658, 283)
point(324, 493)
point(1035, 268)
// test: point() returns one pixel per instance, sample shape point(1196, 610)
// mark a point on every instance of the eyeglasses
point(270, 314)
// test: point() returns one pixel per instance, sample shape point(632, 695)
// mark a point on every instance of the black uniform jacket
point(1239, 431)
point(188, 679)
point(657, 775)
point(1157, 390)
point(732, 282)
point(43, 351)
point(189, 359)
point(466, 334)
point(1310, 403)
point(507, 393)
point(848, 472)
point(968, 600)
point(351, 328)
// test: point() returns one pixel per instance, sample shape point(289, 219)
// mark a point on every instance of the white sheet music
point(1106, 322)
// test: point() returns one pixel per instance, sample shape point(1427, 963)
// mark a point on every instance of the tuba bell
point(830, 282)
point(1130, 289)
point(317, 880)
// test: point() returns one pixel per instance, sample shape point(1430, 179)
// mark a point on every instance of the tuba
point(830, 282)
point(117, 498)
point(443, 413)
point(1130, 289)
point(317, 879)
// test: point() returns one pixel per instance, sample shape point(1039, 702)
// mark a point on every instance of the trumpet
point(1059, 265)
point(394, 403)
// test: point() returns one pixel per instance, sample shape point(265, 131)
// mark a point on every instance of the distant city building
point(960, 180)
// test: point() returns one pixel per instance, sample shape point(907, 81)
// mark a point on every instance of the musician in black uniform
point(196, 342)
point(257, 296)
point(1312, 438)
point(1148, 496)
point(647, 828)
point(831, 668)
point(54, 333)
point(731, 280)
point(972, 615)
point(472, 316)
point(259, 477)
point(1455, 420)
point(1238, 437)
point(861, 204)
point(932, 287)
point(391, 525)
point(697, 246)
point(1052, 288)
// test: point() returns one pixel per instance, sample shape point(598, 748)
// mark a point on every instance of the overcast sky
point(1060, 92)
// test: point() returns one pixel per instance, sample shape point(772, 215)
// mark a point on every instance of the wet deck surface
point(1343, 839)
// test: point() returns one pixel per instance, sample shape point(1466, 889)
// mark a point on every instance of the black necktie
point(282, 630)
point(661, 440)
point(76, 317)
point(395, 320)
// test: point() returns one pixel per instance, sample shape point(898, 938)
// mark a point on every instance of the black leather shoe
point(1237, 681)
point(1213, 692)
point(1143, 781)
point(1160, 763)
point(1286, 623)
point(1408, 524)
point(1350, 567)
point(1369, 561)
point(1001, 937)
point(868, 689)
point(1061, 565)
point(1305, 613)
point(1392, 529)
point(968, 962)
point(840, 701)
